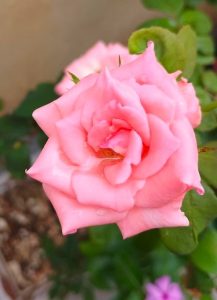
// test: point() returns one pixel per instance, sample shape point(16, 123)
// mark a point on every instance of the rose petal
point(192, 102)
point(185, 159)
point(136, 119)
point(46, 117)
point(93, 189)
point(141, 219)
point(118, 173)
point(73, 140)
point(73, 215)
point(162, 145)
point(103, 91)
point(53, 168)
point(156, 102)
point(179, 175)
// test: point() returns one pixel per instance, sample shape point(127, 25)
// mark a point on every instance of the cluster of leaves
point(184, 42)
point(100, 260)
point(20, 136)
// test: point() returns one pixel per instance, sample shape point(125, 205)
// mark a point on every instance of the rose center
point(109, 153)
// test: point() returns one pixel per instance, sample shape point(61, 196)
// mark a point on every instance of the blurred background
point(39, 38)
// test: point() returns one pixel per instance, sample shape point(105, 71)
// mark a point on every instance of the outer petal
point(46, 116)
point(179, 175)
point(73, 215)
point(146, 69)
point(93, 189)
point(185, 160)
point(141, 219)
point(53, 168)
point(156, 102)
point(192, 102)
point(94, 60)
point(162, 145)
point(88, 63)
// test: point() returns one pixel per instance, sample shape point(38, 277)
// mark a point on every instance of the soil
point(25, 216)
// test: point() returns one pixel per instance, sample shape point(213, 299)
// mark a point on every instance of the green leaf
point(42, 95)
point(209, 79)
point(170, 48)
point(193, 3)
point(209, 117)
point(135, 296)
point(128, 271)
point(209, 122)
point(205, 45)
point(205, 60)
point(197, 279)
point(198, 20)
point(188, 39)
point(161, 22)
point(13, 128)
point(17, 159)
point(205, 255)
point(167, 6)
point(208, 163)
point(200, 210)
point(1, 104)
point(212, 1)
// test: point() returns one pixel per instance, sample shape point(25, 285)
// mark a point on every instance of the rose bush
point(94, 60)
point(121, 148)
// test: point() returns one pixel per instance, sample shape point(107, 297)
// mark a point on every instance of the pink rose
point(121, 149)
point(94, 60)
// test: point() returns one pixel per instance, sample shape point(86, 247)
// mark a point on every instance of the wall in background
point(38, 38)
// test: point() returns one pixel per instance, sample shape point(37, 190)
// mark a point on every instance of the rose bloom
point(163, 289)
point(121, 148)
point(94, 60)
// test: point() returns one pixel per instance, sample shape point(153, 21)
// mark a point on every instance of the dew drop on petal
point(101, 212)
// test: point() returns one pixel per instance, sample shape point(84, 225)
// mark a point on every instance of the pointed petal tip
point(150, 45)
point(67, 231)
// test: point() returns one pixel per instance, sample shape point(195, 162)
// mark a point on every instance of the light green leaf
point(209, 122)
point(205, 255)
point(175, 52)
point(1, 104)
point(193, 3)
point(205, 60)
point(41, 95)
point(208, 163)
point(17, 159)
point(200, 210)
point(209, 79)
point(167, 6)
point(188, 39)
point(198, 20)
point(205, 45)
point(161, 22)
